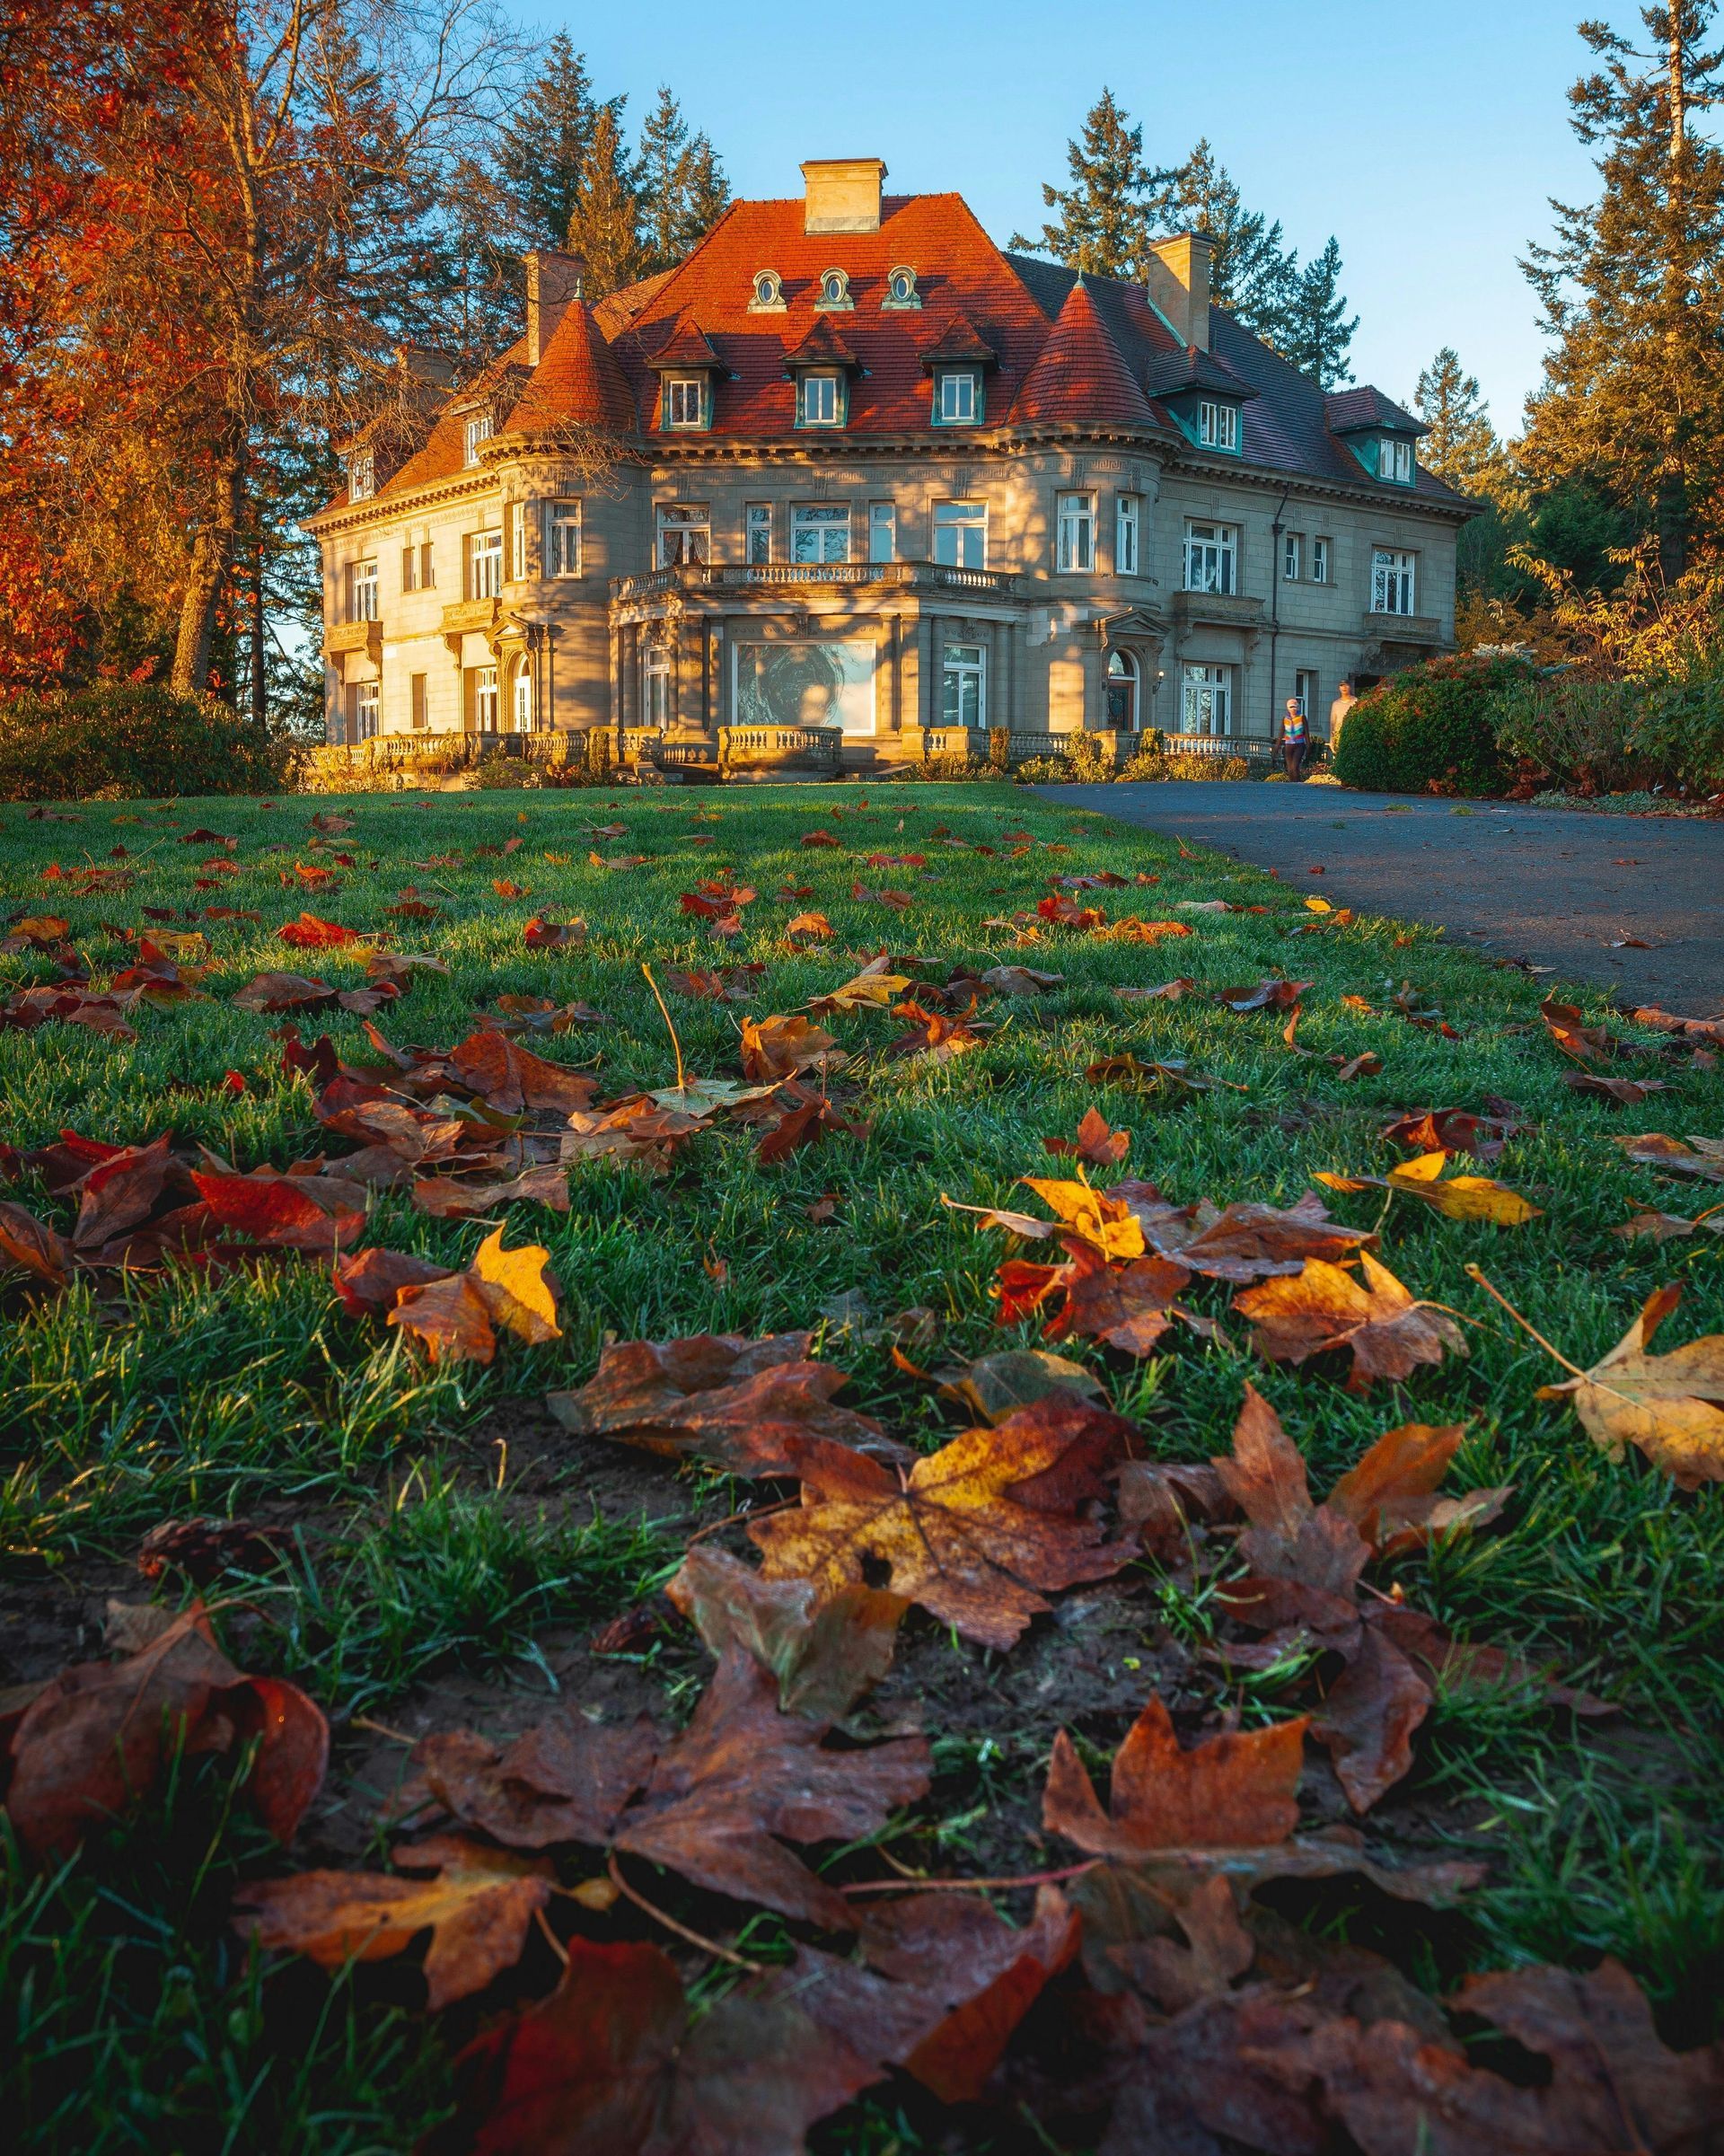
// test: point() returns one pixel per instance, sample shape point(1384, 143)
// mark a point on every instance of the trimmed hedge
point(1431, 729)
point(129, 739)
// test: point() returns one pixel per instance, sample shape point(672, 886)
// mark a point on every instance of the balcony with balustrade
point(717, 587)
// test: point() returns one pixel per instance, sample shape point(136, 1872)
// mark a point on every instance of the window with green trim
point(957, 397)
point(822, 401)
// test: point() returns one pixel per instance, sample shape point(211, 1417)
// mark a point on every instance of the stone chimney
point(1177, 277)
point(554, 281)
point(841, 194)
point(425, 363)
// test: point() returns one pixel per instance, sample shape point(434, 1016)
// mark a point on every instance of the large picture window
point(1206, 699)
point(820, 532)
point(684, 534)
point(1393, 581)
point(964, 685)
point(1211, 558)
point(1075, 544)
point(960, 534)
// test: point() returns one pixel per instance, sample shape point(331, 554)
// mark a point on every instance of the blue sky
point(1426, 138)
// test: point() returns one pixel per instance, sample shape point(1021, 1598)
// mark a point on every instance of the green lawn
point(443, 1555)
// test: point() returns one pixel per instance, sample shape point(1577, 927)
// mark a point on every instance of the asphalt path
point(1560, 888)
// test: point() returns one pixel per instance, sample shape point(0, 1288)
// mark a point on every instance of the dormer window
point(900, 288)
point(957, 397)
point(834, 291)
point(362, 476)
point(1218, 424)
point(820, 400)
point(1394, 461)
point(478, 430)
point(768, 293)
point(686, 406)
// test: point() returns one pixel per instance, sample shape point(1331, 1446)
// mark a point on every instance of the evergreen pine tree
point(660, 174)
point(1632, 290)
point(1461, 447)
point(682, 185)
point(604, 225)
point(1317, 334)
point(706, 194)
point(1252, 272)
point(1104, 215)
point(541, 146)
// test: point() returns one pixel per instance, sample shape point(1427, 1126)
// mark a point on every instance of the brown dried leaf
point(1387, 1331)
point(1237, 1791)
point(1671, 1407)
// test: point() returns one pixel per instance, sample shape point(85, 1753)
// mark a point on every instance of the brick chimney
point(841, 194)
point(1177, 279)
point(554, 281)
point(425, 363)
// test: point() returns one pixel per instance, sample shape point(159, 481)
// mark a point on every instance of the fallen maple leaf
point(1701, 1156)
point(807, 928)
point(309, 933)
point(1460, 1198)
point(614, 2065)
point(728, 1793)
point(93, 1742)
point(1670, 1406)
point(777, 1047)
point(1170, 992)
point(744, 1404)
point(34, 1247)
point(825, 1653)
point(950, 1532)
point(947, 1982)
point(1450, 1130)
point(541, 935)
point(293, 1212)
point(477, 1909)
point(1586, 1043)
point(1096, 1141)
point(454, 1316)
point(1388, 1332)
point(1266, 995)
point(1237, 1791)
point(875, 984)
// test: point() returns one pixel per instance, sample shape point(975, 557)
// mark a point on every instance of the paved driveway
point(1547, 885)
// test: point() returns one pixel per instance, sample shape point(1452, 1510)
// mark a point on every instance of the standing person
point(1294, 737)
point(1344, 701)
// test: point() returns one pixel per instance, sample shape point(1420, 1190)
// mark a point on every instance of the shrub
point(1150, 764)
point(1577, 731)
point(954, 766)
point(126, 740)
point(1430, 729)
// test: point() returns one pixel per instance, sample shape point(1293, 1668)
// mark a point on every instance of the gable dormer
point(960, 361)
point(1204, 397)
point(687, 365)
point(821, 367)
point(1382, 435)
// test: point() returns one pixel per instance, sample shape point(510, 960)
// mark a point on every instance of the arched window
point(768, 291)
point(521, 698)
point(1122, 692)
point(900, 287)
point(835, 289)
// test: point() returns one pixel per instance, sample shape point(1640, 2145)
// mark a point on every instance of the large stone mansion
point(850, 464)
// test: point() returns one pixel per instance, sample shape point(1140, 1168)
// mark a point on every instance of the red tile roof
point(1079, 374)
point(959, 271)
point(1066, 350)
point(577, 378)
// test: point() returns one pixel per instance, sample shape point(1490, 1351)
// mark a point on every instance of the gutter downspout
point(1276, 529)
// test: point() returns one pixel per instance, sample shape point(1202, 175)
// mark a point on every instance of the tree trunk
point(211, 553)
point(260, 682)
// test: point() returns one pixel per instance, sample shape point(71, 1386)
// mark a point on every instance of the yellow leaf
point(1671, 1407)
point(1097, 1218)
point(518, 1288)
point(1460, 1198)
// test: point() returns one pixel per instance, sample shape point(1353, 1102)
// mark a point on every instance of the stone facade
point(639, 520)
